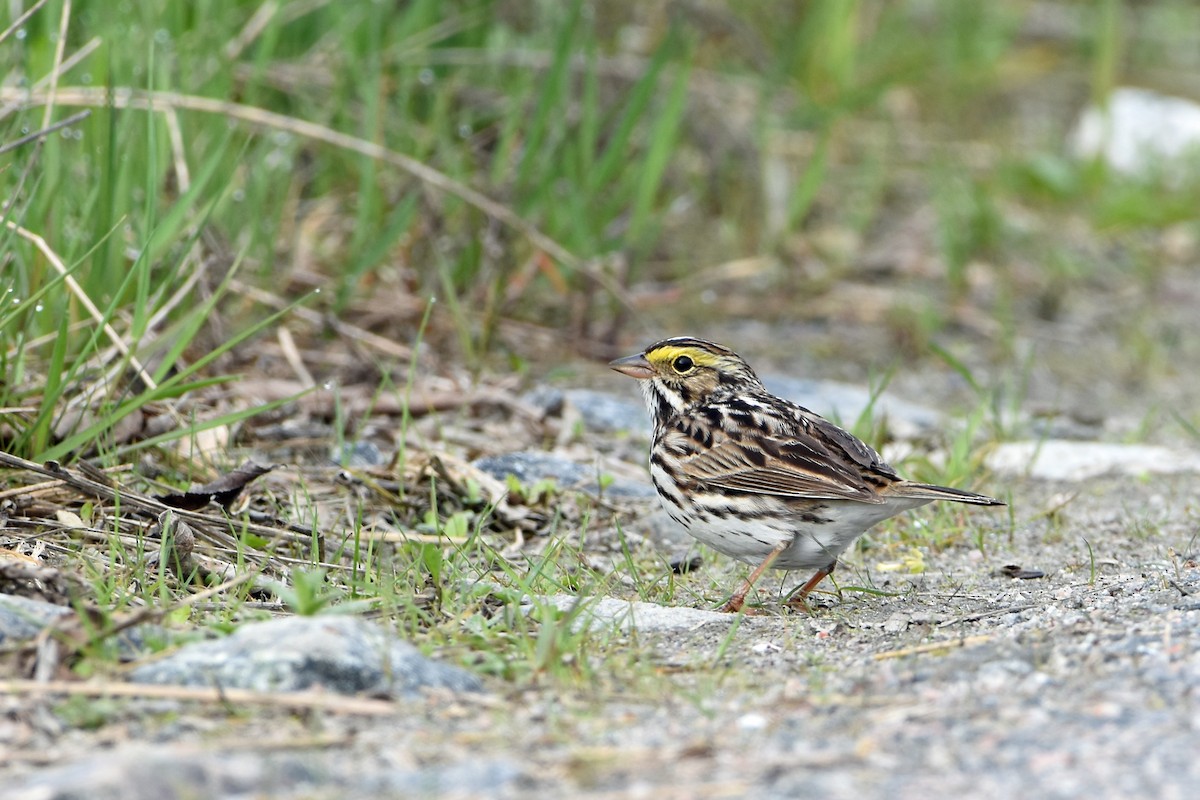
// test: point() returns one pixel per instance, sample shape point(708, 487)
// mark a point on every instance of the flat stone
point(601, 411)
point(1139, 132)
point(22, 618)
point(339, 653)
point(531, 466)
point(359, 455)
point(1064, 460)
point(643, 617)
point(626, 490)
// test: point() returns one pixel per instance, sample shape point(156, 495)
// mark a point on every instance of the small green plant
point(870, 426)
point(1091, 563)
point(87, 713)
point(538, 492)
point(311, 593)
point(969, 226)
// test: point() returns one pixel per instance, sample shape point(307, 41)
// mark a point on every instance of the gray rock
point(138, 772)
point(360, 454)
point(600, 411)
point(22, 618)
point(845, 402)
point(531, 466)
point(1061, 460)
point(627, 490)
point(339, 653)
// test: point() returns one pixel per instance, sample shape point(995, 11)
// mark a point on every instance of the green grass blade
point(664, 136)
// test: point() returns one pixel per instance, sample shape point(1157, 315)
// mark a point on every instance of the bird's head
point(678, 373)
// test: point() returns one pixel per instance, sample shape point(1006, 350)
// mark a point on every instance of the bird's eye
point(683, 364)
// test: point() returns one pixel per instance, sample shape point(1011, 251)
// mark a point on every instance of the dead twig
point(39, 134)
point(317, 319)
point(19, 21)
point(106, 490)
point(975, 617)
point(291, 354)
point(257, 23)
point(336, 703)
point(935, 647)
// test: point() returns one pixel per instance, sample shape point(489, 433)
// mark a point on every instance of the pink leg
point(798, 598)
point(739, 597)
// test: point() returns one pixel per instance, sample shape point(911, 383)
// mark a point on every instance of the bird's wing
point(798, 466)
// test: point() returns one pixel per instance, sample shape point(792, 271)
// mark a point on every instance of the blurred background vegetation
point(868, 182)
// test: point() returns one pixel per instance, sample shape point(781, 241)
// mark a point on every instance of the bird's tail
point(927, 491)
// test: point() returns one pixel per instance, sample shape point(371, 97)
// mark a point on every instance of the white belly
point(749, 527)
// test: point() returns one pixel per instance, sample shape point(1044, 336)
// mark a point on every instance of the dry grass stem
point(44, 132)
point(291, 354)
point(183, 175)
point(935, 647)
point(67, 65)
point(317, 319)
point(77, 290)
point(20, 20)
point(310, 700)
point(64, 22)
point(250, 31)
point(214, 526)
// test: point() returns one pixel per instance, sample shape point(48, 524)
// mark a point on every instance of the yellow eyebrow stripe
point(665, 355)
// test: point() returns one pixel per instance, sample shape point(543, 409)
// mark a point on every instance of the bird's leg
point(797, 599)
point(739, 597)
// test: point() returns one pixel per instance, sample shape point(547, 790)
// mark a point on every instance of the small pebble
point(751, 722)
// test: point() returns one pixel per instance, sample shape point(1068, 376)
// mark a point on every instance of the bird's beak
point(634, 366)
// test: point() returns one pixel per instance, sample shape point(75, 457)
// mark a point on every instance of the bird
point(757, 477)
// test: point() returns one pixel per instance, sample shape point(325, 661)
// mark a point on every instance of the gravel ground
point(965, 682)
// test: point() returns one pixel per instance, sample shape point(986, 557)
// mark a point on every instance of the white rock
point(1063, 460)
point(643, 617)
point(752, 721)
point(1140, 131)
